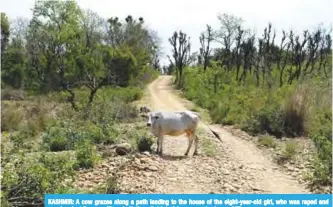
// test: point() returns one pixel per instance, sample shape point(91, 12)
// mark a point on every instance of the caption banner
point(182, 200)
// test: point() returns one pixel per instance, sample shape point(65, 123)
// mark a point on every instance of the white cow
point(175, 124)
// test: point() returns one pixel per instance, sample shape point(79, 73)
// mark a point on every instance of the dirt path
point(237, 167)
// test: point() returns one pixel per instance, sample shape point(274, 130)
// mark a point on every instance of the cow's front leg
point(158, 145)
point(161, 145)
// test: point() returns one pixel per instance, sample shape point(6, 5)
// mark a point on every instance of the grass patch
point(289, 151)
point(208, 147)
point(267, 141)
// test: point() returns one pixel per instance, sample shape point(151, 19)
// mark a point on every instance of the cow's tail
point(215, 133)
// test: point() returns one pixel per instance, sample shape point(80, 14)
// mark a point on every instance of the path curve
point(238, 167)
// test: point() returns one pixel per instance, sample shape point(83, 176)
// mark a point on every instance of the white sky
point(191, 16)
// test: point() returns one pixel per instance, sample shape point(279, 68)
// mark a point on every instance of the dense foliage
point(262, 86)
point(68, 80)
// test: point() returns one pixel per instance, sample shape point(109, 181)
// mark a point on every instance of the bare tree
point(205, 39)
point(282, 56)
point(226, 35)
point(181, 52)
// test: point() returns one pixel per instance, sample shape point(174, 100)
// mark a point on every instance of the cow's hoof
point(195, 154)
point(186, 154)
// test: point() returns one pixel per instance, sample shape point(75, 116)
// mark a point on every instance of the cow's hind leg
point(196, 143)
point(190, 137)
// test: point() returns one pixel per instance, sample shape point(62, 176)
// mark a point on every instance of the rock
point(123, 149)
point(105, 166)
point(254, 188)
point(89, 185)
point(172, 179)
point(152, 168)
point(144, 160)
point(146, 153)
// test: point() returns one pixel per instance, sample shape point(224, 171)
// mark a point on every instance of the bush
point(21, 140)
point(321, 135)
point(270, 120)
point(290, 150)
point(86, 154)
point(65, 134)
point(296, 109)
point(55, 139)
point(303, 108)
point(267, 141)
point(12, 94)
point(11, 117)
point(25, 179)
point(144, 143)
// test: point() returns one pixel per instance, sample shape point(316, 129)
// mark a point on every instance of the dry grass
point(267, 141)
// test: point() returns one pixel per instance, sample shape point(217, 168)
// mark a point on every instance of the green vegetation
point(267, 141)
point(69, 78)
point(289, 151)
point(144, 143)
point(262, 85)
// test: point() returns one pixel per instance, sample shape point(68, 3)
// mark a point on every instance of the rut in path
point(238, 167)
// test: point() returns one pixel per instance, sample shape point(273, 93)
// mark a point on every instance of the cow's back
point(175, 123)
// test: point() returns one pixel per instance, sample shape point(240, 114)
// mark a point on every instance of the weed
point(267, 141)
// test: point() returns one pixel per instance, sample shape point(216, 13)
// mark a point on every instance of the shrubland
point(69, 78)
point(264, 86)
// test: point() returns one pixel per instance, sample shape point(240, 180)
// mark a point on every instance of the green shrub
point(267, 141)
point(63, 135)
point(144, 143)
point(25, 179)
point(55, 139)
point(58, 143)
point(110, 186)
point(86, 154)
point(290, 150)
point(21, 140)
point(321, 134)
point(12, 94)
point(11, 117)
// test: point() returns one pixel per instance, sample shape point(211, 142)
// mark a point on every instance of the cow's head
point(151, 118)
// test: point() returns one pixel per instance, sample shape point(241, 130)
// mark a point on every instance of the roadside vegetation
point(69, 78)
point(263, 85)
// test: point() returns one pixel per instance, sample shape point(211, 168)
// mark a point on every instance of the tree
point(4, 31)
point(56, 25)
point(181, 52)
point(226, 35)
point(205, 50)
point(15, 58)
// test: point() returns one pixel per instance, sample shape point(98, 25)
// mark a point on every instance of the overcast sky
point(191, 16)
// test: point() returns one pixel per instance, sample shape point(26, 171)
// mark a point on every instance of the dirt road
point(238, 166)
